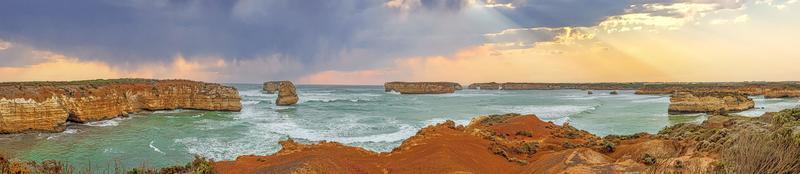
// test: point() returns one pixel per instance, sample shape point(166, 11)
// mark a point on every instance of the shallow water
point(364, 116)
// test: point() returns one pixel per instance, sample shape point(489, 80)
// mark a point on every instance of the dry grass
point(199, 165)
point(758, 153)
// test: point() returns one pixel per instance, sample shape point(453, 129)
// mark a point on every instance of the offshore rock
point(421, 87)
point(485, 86)
point(47, 106)
point(287, 94)
point(709, 102)
point(271, 87)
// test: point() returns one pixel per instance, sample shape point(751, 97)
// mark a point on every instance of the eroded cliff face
point(510, 143)
point(709, 102)
point(271, 87)
point(768, 89)
point(555, 86)
point(287, 94)
point(422, 87)
point(47, 106)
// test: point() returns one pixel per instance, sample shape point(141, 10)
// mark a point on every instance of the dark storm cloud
point(319, 34)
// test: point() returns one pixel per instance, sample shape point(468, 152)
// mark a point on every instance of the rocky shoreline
point(48, 106)
point(514, 143)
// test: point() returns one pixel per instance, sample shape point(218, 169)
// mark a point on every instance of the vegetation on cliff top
point(199, 165)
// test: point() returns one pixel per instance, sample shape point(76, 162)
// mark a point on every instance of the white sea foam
point(548, 112)
point(435, 121)
point(104, 123)
point(295, 131)
point(653, 100)
point(155, 148)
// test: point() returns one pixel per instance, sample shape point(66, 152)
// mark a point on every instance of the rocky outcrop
point(555, 86)
point(782, 93)
point(709, 102)
point(768, 89)
point(287, 94)
point(485, 86)
point(510, 143)
point(421, 87)
point(271, 87)
point(47, 106)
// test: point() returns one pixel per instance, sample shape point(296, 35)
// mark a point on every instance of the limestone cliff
point(287, 94)
point(776, 89)
point(485, 86)
point(709, 102)
point(47, 106)
point(421, 87)
point(782, 93)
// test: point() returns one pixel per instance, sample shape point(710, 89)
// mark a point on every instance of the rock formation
point(769, 89)
point(514, 143)
point(709, 102)
point(590, 92)
point(421, 87)
point(287, 94)
point(485, 86)
point(782, 93)
point(271, 87)
point(47, 106)
point(613, 93)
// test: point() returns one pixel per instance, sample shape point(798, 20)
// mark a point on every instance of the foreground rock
point(515, 143)
point(422, 87)
point(287, 94)
point(47, 106)
point(709, 102)
point(271, 87)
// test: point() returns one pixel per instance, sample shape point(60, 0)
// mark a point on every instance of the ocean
point(363, 116)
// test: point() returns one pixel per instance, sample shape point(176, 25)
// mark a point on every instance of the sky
point(375, 41)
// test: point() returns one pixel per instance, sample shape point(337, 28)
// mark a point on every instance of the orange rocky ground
point(510, 143)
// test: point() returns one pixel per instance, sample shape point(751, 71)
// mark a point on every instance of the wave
point(105, 123)
point(295, 131)
point(549, 112)
point(653, 100)
point(155, 148)
point(435, 121)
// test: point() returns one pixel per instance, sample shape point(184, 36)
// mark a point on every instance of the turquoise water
point(364, 116)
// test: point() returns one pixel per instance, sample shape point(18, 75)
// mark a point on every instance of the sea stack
point(287, 94)
point(614, 93)
point(590, 92)
point(47, 106)
point(709, 102)
point(421, 87)
point(271, 87)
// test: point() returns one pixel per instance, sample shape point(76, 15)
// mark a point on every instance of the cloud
point(682, 45)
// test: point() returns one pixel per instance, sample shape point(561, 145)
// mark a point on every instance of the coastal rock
point(485, 86)
point(287, 94)
point(421, 87)
point(782, 93)
point(774, 89)
point(614, 93)
point(47, 106)
point(709, 102)
point(271, 87)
